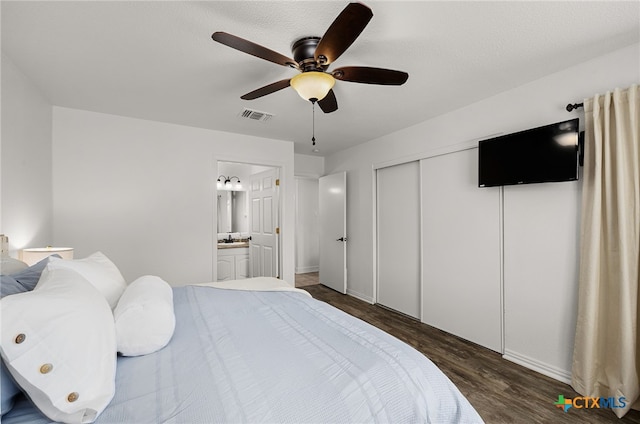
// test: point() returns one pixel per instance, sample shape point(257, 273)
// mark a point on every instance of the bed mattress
point(276, 357)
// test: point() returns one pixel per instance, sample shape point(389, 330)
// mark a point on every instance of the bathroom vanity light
point(226, 183)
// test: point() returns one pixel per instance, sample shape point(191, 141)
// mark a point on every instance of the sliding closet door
point(461, 291)
point(398, 212)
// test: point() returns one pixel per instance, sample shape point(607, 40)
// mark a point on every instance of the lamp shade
point(35, 254)
point(312, 85)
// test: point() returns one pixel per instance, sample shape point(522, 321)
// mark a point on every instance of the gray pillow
point(9, 265)
point(24, 280)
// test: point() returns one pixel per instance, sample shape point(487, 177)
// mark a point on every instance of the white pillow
point(144, 316)
point(100, 272)
point(58, 342)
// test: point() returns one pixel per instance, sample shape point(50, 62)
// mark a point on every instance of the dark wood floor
point(307, 279)
point(501, 391)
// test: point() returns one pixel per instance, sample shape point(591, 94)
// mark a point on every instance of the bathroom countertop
point(234, 245)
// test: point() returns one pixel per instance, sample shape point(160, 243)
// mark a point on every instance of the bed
point(259, 351)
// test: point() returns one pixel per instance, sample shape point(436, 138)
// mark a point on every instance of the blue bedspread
point(275, 357)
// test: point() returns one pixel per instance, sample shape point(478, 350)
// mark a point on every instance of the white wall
point(143, 192)
point(26, 189)
point(307, 225)
point(541, 247)
point(309, 166)
point(307, 171)
point(540, 102)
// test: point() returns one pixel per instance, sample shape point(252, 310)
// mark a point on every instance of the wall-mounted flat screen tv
point(538, 155)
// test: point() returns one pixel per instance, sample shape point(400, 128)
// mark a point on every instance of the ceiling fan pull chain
point(313, 120)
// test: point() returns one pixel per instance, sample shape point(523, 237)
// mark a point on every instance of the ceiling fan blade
point(368, 75)
point(267, 89)
point(343, 32)
point(253, 49)
point(329, 103)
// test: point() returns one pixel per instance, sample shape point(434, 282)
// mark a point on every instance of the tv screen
point(538, 155)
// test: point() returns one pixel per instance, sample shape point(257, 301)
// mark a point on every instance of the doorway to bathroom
point(247, 221)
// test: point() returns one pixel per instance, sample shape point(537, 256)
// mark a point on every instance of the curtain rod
point(573, 106)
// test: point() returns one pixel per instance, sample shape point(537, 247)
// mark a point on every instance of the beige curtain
point(606, 357)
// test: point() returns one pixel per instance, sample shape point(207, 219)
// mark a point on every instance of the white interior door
point(333, 231)
point(398, 245)
point(263, 246)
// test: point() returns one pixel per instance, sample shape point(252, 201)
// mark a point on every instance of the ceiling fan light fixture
point(312, 85)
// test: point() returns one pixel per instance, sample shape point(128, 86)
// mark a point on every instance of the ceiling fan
point(312, 57)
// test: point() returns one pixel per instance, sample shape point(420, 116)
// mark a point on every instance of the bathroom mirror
point(232, 212)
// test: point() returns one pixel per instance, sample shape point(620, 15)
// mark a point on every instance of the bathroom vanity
point(233, 261)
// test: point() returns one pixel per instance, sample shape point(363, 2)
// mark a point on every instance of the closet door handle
point(342, 239)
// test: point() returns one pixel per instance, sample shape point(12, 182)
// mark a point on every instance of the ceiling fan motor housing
point(303, 53)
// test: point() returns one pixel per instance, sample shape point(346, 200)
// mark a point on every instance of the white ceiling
point(156, 60)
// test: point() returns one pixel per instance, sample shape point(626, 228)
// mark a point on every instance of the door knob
point(342, 239)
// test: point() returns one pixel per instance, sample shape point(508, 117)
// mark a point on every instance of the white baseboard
point(360, 296)
point(305, 269)
point(541, 367)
